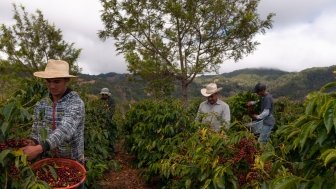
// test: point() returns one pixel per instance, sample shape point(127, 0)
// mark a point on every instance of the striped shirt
point(61, 124)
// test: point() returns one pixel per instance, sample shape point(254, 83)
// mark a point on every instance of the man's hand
point(250, 103)
point(29, 142)
point(32, 151)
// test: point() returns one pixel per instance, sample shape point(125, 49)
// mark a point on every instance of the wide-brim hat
point(210, 89)
point(55, 69)
point(105, 91)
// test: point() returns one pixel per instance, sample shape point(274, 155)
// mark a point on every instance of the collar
point(67, 91)
point(216, 103)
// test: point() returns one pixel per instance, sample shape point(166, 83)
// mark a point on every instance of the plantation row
point(176, 152)
point(16, 121)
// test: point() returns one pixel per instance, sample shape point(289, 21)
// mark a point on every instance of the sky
point(303, 34)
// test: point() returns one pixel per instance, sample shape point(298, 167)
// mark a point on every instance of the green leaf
point(328, 156)
point(334, 117)
point(322, 135)
point(219, 182)
point(329, 116)
point(306, 132)
point(44, 134)
point(286, 183)
point(318, 183)
point(4, 128)
point(187, 183)
point(3, 155)
point(328, 86)
point(7, 110)
point(53, 172)
point(310, 107)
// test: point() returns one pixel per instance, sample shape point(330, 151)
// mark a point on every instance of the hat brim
point(50, 75)
point(204, 92)
point(105, 93)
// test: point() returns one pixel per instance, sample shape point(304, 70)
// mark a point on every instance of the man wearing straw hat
point(213, 111)
point(58, 126)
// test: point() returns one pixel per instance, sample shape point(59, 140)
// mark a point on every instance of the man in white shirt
point(213, 111)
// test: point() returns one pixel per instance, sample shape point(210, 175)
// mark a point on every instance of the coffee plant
point(239, 110)
point(100, 137)
point(15, 122)
point(309, 143)
point(150, 127)
point(16, 172)
point(169, 144)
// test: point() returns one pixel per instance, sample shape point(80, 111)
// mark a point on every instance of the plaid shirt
point(66, 137)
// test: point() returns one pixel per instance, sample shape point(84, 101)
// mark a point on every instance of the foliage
point(176, 40)
point(15, 113)
point(15, 122)
point(291, 86)
point(100, 136)
point(309, 143)
point(159, 121)
point(9, 82)
point(238, 108)
point(185, 154)
point(212, 160)
point(32, 41)
point(286, 111)
point(16, 173)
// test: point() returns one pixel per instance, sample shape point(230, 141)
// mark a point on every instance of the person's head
point(57, 76)
point(211, 92)
point(105, 93)
point(260, 89)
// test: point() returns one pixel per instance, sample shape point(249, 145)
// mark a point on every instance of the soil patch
point(128, 177)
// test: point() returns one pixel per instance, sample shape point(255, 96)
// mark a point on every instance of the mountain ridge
point(295, 85)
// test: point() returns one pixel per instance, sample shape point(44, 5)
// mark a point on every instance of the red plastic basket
point(63, 162)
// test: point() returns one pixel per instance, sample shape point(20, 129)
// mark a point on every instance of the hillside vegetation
point(294, 85)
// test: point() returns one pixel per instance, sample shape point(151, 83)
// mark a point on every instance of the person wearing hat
point(213, 111)
point(264, 122)
point(106, 96)
point(60, 115)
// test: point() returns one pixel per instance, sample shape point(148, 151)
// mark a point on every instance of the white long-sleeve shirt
point(216, 115)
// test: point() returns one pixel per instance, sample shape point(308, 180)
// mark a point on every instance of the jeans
point(258, 128)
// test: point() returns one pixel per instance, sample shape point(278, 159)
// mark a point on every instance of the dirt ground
point(128, 177)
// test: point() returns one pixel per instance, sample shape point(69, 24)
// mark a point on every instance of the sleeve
point(226, 115)
point(266, 111)
point(252, 102)
point(72, 117)
point(35, 127)
point(263, 114)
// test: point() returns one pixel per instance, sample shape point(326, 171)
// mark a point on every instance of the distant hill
point(295, 85)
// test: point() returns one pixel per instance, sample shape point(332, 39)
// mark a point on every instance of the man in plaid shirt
point(58, 127)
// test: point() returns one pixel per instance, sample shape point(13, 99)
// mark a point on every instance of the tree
point(32, 41)
point(181, 38)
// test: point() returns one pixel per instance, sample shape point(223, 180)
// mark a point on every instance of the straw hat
point(105, 91)
point(55, 69)
point(210, 89)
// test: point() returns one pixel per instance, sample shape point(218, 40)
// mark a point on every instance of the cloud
point(80, 22)
point(299, 42)
point(303, 35)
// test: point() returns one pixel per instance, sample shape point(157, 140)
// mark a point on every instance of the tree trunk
point(184, 91)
